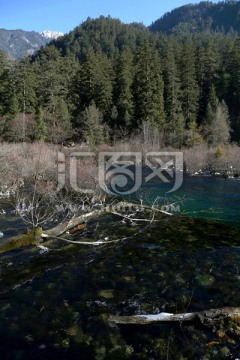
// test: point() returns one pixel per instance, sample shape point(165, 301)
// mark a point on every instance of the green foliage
point(92, 125)
point(104, 34)
point(193, 136)
point(40, 127)
point(221, 16)
point(148, 87)
point(189, 85)
point(234, 87)
point(25, 85)
point(123, 95)
point(219, 152)
point(106, 77)
point(93, 83)
point(175, 123)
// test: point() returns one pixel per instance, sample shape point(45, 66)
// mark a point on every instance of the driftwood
point(35, 235)
point(204, 317)
point(62, 228)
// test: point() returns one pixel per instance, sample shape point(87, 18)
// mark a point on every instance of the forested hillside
point(205, 16)
point(106, 80)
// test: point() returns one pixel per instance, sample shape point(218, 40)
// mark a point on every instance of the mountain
point(223, 16)
point(17, 43)
point(49, 34)
point(104, 34)
point(106, 77)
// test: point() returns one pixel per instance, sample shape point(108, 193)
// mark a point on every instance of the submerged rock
point(204, 280)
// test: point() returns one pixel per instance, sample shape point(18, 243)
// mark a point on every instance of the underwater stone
point(205, 280)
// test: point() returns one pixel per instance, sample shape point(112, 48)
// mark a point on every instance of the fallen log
point(35, 235)
point(62, 228)
point(31, 237)
point(204, 317)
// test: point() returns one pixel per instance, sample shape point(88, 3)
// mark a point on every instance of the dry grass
point(224, 160)
point(19, 161)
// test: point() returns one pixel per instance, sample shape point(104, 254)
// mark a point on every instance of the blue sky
point(65, 15)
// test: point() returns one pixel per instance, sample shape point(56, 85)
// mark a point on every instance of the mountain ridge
point(204, 16)
point(17, 43)
point(221, 16)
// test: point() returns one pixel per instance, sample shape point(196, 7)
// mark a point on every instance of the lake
point(56, 305)
point(204, 196)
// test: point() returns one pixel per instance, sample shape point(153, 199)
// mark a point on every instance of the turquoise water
point(199, 196)
point(202, 196)
point(213, 198)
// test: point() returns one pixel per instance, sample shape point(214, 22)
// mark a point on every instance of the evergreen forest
point(106, 81)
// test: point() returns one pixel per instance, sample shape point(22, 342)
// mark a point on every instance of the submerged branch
point(57, 231)
point(203, 316)
point(94, 243)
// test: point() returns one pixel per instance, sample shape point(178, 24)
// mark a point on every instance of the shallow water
point(56, 305)
point(202, 196)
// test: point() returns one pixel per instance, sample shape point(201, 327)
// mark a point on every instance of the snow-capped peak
point(51, 34)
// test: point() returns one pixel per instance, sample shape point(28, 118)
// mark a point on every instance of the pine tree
point(92, 125)
point(212, 103)
point(94, 83)
point(40, 125)
point(175, 123)
point(5, 90)
point(207, 67)
point(123, 96)
point(148, 87)
point(25, 86)
point(189, 88)
point(51, 79)
point(12, 106)
point(234, 88)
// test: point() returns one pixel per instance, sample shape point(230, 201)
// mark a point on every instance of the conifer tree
point(5, 90)
point(123, 89)
point(25, 86)
point(234, 87)
point(207, 67)
point(189, 86)
point(51, 79)
point(40, 125)
point(148, 87)
point(175, 123)
point(92, 125)
point(94, 83)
